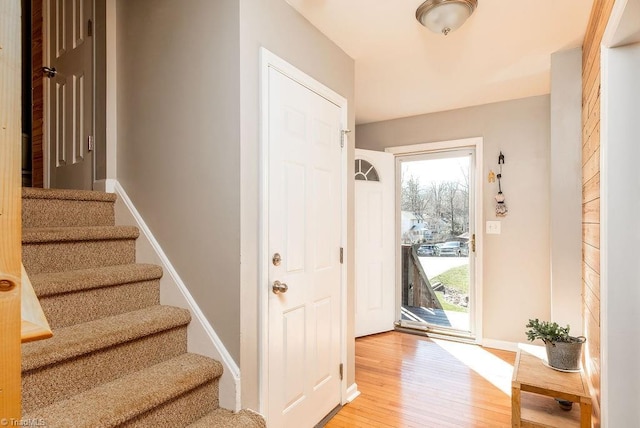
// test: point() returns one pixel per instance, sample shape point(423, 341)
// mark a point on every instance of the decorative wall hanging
point(501, 207)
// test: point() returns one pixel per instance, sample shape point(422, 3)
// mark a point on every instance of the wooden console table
point(534, 388)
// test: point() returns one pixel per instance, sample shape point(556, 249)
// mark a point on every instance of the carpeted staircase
point(117, 356)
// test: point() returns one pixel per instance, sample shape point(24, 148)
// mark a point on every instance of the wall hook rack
point(501, 207)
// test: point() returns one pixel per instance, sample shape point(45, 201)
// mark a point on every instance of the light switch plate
point(493, 228)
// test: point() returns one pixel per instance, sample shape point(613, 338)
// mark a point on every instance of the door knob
point(279, 287)
point(49, 72)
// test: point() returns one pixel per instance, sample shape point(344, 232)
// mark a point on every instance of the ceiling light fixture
point(444, 16)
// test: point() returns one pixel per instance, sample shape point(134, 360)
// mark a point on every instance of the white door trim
point(269, 60)
point(439, 146)
point(621, 24)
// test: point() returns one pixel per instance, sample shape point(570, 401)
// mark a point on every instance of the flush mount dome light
point(444, 16)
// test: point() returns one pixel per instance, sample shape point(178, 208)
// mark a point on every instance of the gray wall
point(178, 153)
point(276, 26)
point(516, 262)
point(566, 189)
point(620, 238)
point(100, 130)
point(188, 143)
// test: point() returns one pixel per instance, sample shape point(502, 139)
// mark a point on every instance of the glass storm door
point(437, 242)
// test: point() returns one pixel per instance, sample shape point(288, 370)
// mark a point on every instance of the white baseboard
point(500, 344)
point(352, 392)
point(202, 338)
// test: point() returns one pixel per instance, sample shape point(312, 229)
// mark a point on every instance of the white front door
point(375, 242)
point(69, 92)
point(304, 227)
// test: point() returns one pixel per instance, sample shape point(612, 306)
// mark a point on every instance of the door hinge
point(341, 371)
point(90, 28)
point(343, 134)
point(473, 242)
point(341, 255)
point(90, 143)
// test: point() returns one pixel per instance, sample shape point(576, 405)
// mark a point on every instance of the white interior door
point(69, 93)
point(304, 227)
point(375, 242)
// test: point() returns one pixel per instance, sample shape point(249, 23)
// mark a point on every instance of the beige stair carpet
point(117, 357)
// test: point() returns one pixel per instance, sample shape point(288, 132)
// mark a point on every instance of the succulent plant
point(548, 332)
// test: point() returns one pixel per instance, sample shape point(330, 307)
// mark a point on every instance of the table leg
point(515, 406)
point(585, 413)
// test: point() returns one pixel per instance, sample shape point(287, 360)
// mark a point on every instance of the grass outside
point(457, 277)
point(448, 306)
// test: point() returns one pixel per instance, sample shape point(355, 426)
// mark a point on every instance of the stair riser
point(140, 382)
point(67, 309)
point(64, 256)
point(182, 411)
point(46, 385)
point(66, 213)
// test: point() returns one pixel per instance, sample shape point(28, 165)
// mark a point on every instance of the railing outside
point(416, 288)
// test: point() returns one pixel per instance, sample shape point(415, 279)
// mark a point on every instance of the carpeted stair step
point(223, 418)
point(81, 356)
point(173, 393)
point(78, 296)
point(66, 208)
point(117, 357)
point(60, 249)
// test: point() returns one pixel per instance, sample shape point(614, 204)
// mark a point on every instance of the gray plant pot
point(565, 355)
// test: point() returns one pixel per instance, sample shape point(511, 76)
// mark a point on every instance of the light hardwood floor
point(407, 380)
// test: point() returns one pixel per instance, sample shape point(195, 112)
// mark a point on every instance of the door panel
point(375, 243)
point(304, 198)
point(70, 93)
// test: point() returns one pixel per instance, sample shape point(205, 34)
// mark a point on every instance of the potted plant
point(564, 352)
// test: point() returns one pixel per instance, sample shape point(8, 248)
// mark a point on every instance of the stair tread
point(34, 235)
point(134, 394)
point(127, 368)
point(223, 418)
point(80, 339)
point(47, 284)
point(67, 194)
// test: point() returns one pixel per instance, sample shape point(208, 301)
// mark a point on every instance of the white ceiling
point(628, 29)
point(402, 69)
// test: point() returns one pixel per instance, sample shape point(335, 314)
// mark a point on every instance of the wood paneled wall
point(37, 159)
point(591, 194)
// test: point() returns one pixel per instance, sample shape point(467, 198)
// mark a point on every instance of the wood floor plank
point(412, 381)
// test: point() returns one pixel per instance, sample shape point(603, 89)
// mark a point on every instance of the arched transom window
point(365, 171)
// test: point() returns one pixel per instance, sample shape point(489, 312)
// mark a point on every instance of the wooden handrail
point(10, 210)
point(34, 323)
